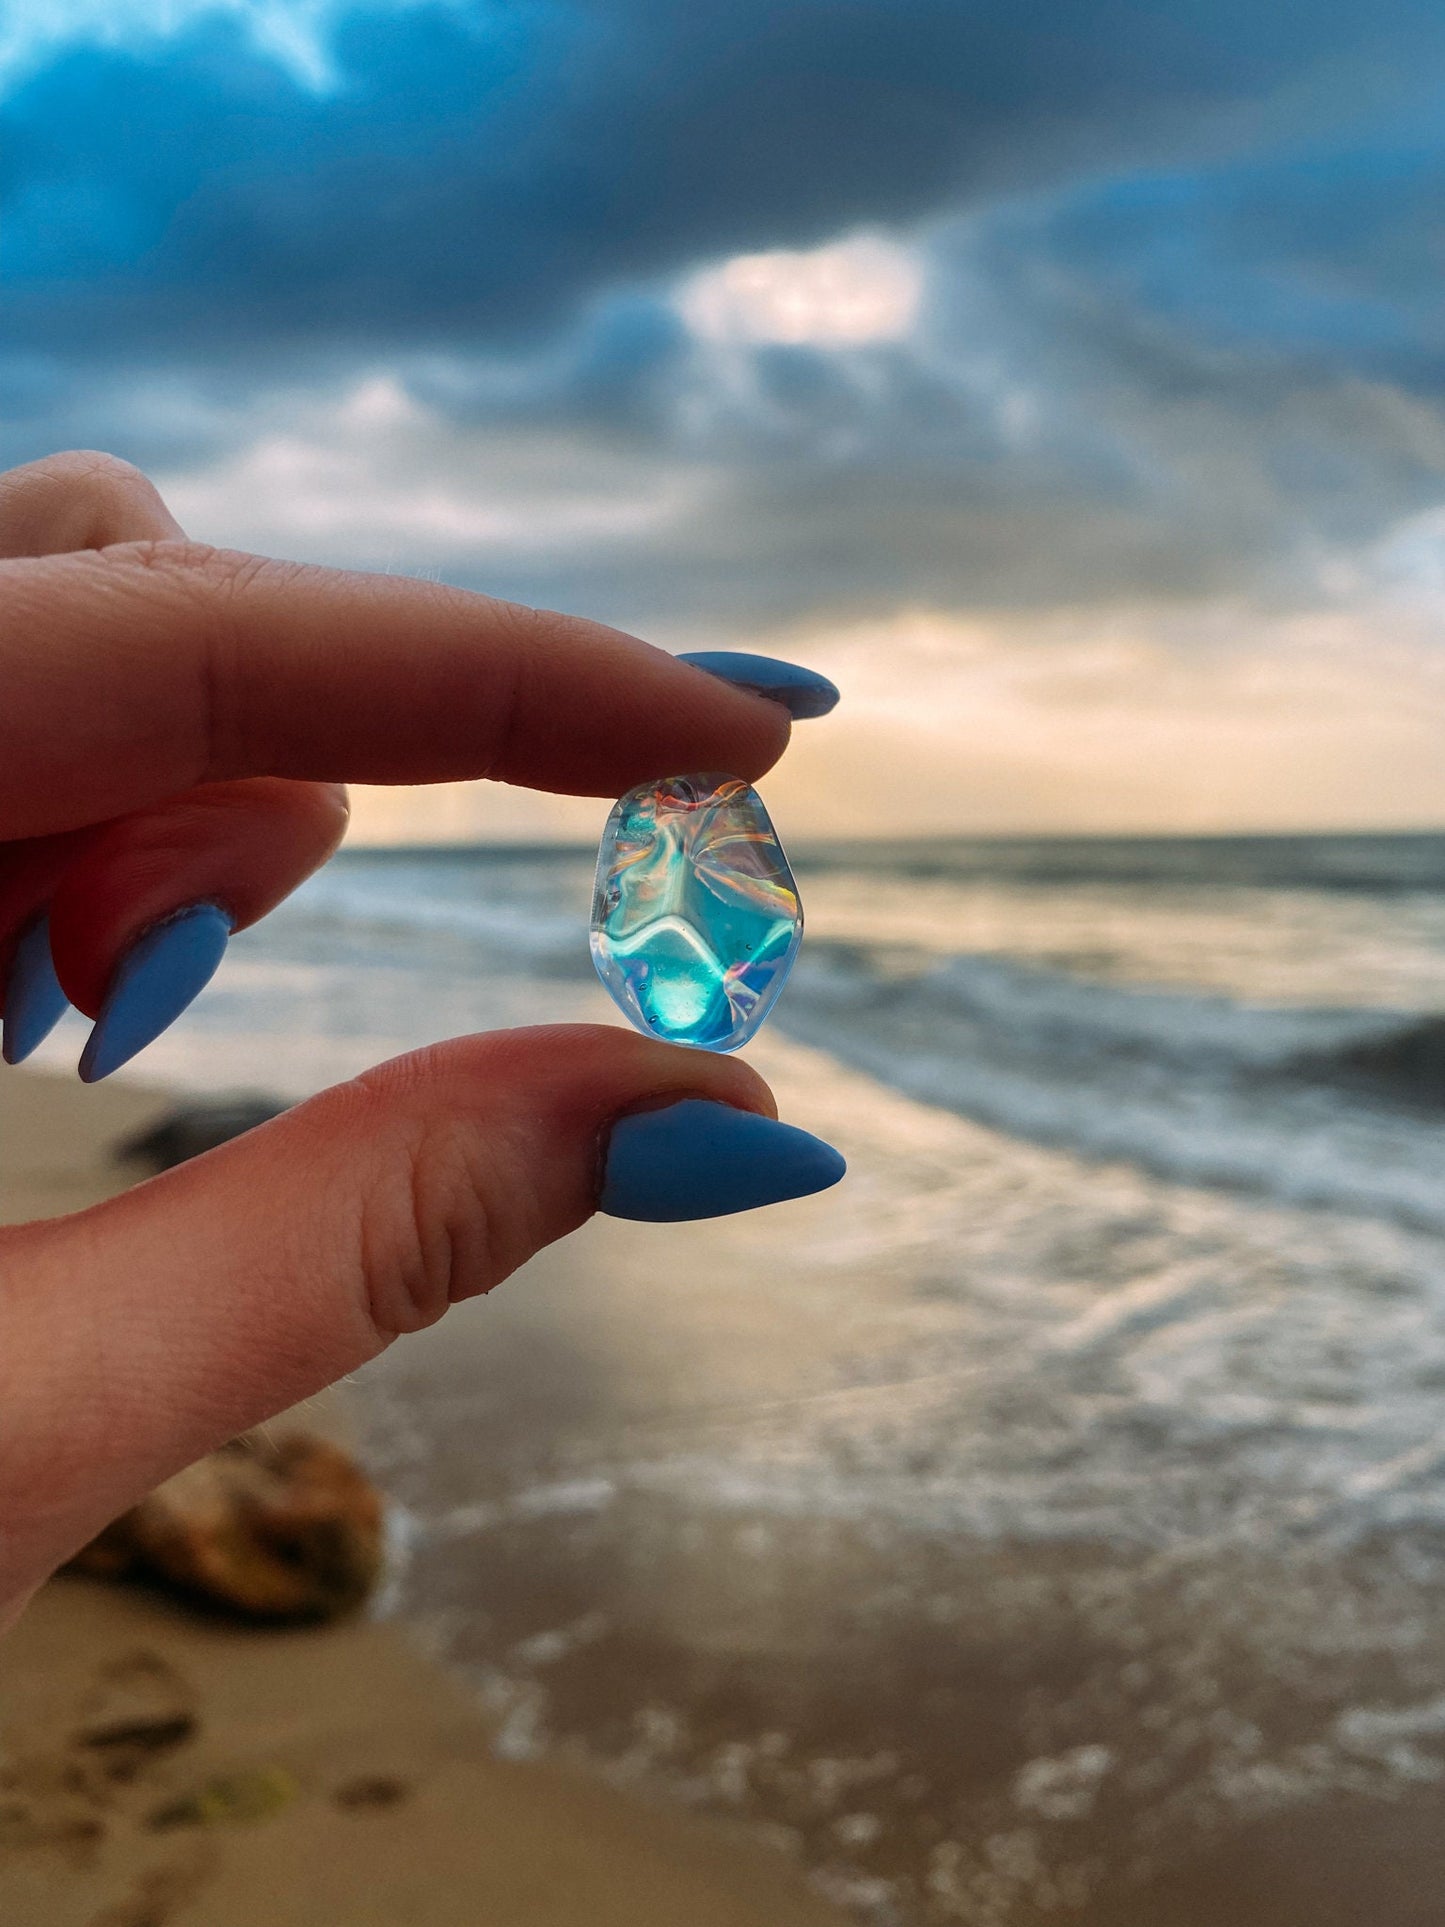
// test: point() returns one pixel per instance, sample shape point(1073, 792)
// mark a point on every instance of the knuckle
point(207, 586)
point(195, 566)
point(520, 630)
point(79, 464)
point(90, 468)
point(214, 574)
point(437, 1228)
point(83, 497)
point(520, 621)
point(229, 573)
point(98, 469)
point(205, 583)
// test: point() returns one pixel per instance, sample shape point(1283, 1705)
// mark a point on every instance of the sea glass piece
point(696, 919)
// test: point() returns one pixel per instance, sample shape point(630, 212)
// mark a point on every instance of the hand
point(175, 726)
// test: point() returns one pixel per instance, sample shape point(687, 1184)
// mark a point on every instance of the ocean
point(1049, 1524)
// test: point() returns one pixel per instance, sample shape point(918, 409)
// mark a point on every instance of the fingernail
point(697, 1159)
point(802, 692)
point(164, 970)
point(34, 1001)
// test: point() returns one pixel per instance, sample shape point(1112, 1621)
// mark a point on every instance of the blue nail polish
point(696, 1159)
point(34, 1001)
point(164, 970)
point(802, 692)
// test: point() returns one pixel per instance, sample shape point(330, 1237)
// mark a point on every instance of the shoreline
point(833, 1523)
point(320, 1773)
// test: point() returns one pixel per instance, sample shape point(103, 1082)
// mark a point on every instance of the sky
point(1066, 378)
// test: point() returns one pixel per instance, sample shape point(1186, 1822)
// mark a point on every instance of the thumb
point(138, 1335)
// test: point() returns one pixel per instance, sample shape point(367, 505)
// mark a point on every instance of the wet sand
point(948, 1729)
point(314, 1776)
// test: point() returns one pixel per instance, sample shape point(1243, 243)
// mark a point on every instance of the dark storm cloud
point(476, 173)
point(1337, 258)
point(1182, 333)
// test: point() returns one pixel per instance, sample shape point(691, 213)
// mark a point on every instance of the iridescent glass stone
point(696, 919)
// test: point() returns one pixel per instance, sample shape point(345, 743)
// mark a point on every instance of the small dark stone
point(190, 1129)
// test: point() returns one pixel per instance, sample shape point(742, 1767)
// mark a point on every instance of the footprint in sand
point(78, 1797)
point(139, 1711)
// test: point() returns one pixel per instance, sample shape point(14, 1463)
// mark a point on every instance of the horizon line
point(572, 847)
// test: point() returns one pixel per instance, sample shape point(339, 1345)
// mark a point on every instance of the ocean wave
point(540, 930)
point(1341, 1107)
point(1404, 1060)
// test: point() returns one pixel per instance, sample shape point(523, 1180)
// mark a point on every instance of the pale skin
point(176, 726)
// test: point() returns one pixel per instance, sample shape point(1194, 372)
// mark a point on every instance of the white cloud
point(372, 479)
point(1214, 714)
point(853, 292)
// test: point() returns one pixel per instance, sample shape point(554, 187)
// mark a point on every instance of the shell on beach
point(277, 1530)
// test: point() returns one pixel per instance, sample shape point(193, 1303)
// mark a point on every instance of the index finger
point(135, 672)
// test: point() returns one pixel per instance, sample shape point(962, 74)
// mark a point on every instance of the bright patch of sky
point(1216, 718)
point(861, 290)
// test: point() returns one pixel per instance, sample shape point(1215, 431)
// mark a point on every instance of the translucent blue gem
point(696, 919)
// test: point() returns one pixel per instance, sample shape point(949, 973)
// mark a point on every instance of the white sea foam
point(1337, 1107)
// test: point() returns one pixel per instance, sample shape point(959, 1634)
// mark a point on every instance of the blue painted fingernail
point(802, 692)
point(34, 1001)
point(696, 1159)
point(164, 970)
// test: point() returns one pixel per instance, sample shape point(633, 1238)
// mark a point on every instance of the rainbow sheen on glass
point(696, 919)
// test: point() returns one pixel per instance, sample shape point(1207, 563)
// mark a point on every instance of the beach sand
point(160, 1769)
